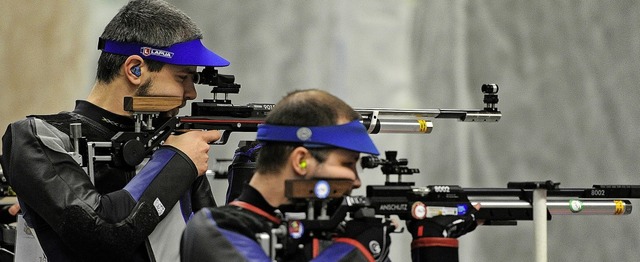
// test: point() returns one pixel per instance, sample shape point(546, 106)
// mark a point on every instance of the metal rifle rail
point(501, 205)
point(498, 206)
point(221, 114)
point(375, 120)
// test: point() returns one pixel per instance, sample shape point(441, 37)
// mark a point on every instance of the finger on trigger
point(211, 135)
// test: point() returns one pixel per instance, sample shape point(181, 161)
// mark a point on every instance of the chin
point(171, 113)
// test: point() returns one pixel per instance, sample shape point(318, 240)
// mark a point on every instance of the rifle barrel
point(564, 207)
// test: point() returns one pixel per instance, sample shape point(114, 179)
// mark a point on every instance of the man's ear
point(298, 160)
point(133, 69)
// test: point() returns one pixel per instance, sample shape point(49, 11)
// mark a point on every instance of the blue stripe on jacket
point(143, 179)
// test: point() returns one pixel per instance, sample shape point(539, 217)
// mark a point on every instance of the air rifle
point(220, 114)
point(498, 206)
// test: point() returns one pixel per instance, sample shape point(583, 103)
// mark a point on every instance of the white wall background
point(568, 73)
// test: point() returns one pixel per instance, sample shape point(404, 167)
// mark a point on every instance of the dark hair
point(310, 107)
point(151, 22)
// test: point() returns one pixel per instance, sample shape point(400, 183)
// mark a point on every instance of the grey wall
point(567, 72)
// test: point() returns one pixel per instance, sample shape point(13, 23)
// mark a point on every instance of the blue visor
point(352, 136)
point(189, 53)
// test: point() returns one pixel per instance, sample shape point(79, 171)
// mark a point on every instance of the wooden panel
point(151, 104)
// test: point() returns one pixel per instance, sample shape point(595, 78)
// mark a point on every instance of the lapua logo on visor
point(148, 51)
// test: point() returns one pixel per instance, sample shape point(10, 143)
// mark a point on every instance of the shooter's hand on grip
point(435, 238)
point(448, 226)
point(195, 144)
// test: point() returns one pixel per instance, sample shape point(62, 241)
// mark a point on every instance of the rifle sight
point(390, 166)
point(222, 84)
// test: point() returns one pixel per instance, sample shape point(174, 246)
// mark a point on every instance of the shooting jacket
point(229, 233)
point(423, 248)
point(77, 221)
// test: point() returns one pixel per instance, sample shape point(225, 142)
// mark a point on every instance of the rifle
point(222, 114)
point(499, 206)
point(519, 201)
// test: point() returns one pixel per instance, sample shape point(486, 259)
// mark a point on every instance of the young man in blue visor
point(149, 48)
point(310, 135)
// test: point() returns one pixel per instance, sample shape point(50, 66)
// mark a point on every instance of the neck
point(110, 96)
point(271, 187)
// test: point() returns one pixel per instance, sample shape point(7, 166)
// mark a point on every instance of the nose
point(190, 92)
point(357, 183)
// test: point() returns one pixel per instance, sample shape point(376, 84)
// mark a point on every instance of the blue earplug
point(136, 71)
